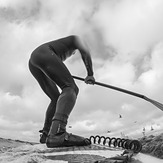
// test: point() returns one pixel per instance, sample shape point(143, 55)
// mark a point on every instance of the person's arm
point(86, 57)
point(85, 54)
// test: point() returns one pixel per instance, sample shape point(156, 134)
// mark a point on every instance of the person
point(46, 65)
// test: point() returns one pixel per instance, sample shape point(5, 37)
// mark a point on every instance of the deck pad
point(90, 154)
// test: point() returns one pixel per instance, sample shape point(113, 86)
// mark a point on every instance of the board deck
point(85, 154)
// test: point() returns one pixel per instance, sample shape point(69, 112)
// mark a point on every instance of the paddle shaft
point(156, 103)
point(113, 87)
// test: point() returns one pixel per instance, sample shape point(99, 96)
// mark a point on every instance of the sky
point(125, 38)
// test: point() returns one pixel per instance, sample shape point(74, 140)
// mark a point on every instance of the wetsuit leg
point(50, 90)
point(52, 66)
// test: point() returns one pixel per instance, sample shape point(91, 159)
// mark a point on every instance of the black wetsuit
point(62, 46)
point(49, 58)
point(46, 65)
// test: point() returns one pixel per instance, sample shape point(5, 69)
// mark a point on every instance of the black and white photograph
point(81, 81)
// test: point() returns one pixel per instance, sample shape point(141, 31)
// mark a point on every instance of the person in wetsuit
point(46, 65)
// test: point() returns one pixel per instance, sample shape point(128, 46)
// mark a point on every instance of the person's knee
point(72, 89)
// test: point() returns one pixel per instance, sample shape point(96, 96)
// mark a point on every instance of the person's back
point(63, 47)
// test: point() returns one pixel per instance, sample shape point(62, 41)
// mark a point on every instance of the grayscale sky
point(126, 43)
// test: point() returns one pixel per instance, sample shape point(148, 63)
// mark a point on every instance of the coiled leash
point(131, 148)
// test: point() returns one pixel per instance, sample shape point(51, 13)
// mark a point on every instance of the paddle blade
point(157, 104)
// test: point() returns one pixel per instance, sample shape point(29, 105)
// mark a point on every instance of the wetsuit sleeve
point(85, 54)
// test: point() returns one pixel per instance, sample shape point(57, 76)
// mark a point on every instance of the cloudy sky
point(126, 42)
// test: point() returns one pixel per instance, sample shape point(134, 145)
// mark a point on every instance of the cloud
point(152, 78)
point(131, 26)
point(18, 11)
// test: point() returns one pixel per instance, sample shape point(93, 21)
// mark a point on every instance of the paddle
point(157, 104)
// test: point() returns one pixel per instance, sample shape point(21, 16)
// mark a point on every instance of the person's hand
point(89, 80)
